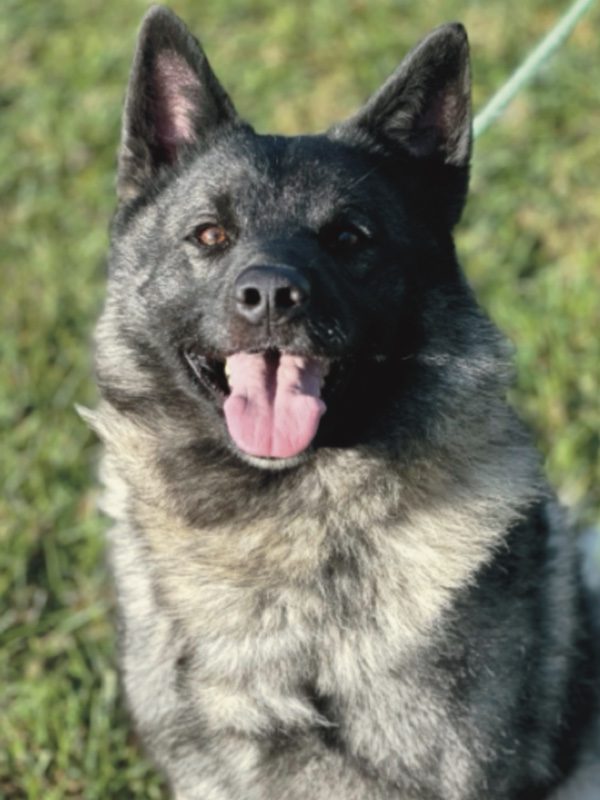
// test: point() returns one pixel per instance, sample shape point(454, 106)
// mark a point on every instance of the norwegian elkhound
point(340, 573)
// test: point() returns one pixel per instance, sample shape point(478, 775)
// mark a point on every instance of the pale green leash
point(551, 42)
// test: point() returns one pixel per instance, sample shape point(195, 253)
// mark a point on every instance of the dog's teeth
point(227, 369)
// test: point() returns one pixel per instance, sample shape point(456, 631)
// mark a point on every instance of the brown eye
point(211, 236)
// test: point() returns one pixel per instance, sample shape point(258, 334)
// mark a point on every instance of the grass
point(529, 241)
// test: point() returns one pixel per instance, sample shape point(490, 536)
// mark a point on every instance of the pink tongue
point(274, 407)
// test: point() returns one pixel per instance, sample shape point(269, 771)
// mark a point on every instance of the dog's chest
point(290, 649)
point(326, 660)
point(306, 629)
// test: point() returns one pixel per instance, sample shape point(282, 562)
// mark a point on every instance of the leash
point(499, 102)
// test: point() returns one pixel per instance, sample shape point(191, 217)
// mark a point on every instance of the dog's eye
point(347, 239)
point(211, 235)
point(342, 238)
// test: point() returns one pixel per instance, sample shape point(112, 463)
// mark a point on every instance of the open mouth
point(271, 399)
point(209, 371)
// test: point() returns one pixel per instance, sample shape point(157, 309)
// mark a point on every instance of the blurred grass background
point(529, 240)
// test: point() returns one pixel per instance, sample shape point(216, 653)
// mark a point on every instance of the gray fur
point(397, 618)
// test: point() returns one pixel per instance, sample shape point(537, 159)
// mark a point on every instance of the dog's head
point(277, 288)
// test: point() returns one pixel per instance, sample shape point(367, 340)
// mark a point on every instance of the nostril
point(283, 298)
point(288, 297)
point(251, 297)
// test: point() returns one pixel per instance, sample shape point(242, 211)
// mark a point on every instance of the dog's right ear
point(174, 102)
point(423, 113)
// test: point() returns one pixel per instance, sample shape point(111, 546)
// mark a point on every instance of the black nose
point(274, 293)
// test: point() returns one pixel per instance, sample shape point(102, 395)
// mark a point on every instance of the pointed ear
point(423, 112)
point(173, 102)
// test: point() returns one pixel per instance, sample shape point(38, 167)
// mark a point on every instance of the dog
point(339, 570)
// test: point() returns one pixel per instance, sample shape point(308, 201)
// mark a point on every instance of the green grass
point(529, 241)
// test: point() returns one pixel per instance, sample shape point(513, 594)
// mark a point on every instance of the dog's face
point(278, 283)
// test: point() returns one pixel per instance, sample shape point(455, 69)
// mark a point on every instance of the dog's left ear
point(174, 103)
point(423, 112)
